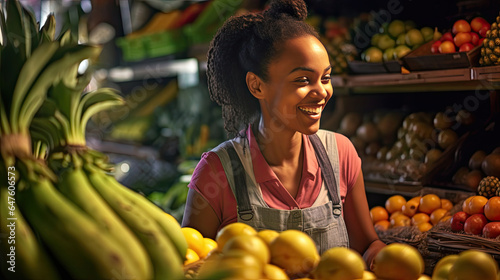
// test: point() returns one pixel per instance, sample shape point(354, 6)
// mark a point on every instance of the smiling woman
point(271, 76)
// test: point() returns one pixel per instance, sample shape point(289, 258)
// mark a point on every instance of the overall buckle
point(246, 215)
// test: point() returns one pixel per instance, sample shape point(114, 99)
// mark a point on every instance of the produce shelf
point(476, 78)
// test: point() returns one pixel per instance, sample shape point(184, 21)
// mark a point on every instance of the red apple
point(491, 230)
point(475, 224)
point(480, 43)
point(477, 23)
point(446, 37)
point(462, 38)
point(458, 221)
point(474, 38)
point(483, 30)
point(435, 47)
point(466, 47)
point(447, 47)
point(460, 25)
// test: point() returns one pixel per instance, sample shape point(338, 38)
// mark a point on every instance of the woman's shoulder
point(341, 139)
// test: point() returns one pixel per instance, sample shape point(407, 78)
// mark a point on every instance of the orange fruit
point(492, 209)
point(425, 226)
point(194, 239)
point(400, 221)
point(250, 244)
point(232, 230)
point(395, 214)
point(419, 218)
point(378, 213)
point(395, 203)
point(465, 204)
point(437, 215)
point(411, 206)
point(382, 225)
point(429, 203)
point(446, 204)
point(446, 218)
point(191, 257)
point(476, 204)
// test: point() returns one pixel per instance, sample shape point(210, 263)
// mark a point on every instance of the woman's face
point(298, 86)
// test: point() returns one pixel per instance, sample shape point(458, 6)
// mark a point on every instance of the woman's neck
point(279, 147)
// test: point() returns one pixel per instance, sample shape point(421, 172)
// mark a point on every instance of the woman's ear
point(254, 84)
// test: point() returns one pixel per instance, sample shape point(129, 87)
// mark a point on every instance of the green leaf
point(33, 26)
point(49, 28)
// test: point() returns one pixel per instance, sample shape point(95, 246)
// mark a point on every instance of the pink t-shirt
point(209, 179)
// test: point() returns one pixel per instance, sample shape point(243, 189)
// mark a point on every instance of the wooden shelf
point(476, 78)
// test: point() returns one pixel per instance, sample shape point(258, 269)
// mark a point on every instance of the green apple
point(401, 40)
point(414, 37)
point(396, 28)
point(389, 54)
point(401, 51)
point(385, 42)
point(375, 38)
point(340, 263)
point(428, 33)
point(373, 54)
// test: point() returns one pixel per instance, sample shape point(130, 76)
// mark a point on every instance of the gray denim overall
point(324, 223)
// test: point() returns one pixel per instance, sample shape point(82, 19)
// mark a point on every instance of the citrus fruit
point(492, 209)
point(382, 225)
point(395, 203)
point(232, 230)
point(446, 204)
point(474, 264)
point(339, 263)
point(208, 245)
point(425, 226)
point(294, 251)
point(378, 213)
point(419, 218)
point(241, 264)
point(251, 244)
point(429, 203)
point(465, 204)
point(411, 206)
point(476, 204)
point(191, 257)
point(400, 221)
point(268, 235)
point(194, 239)
point(437, 215)
point(398, 261)
point(273, 272)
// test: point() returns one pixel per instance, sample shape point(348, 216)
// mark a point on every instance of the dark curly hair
point(248, 43)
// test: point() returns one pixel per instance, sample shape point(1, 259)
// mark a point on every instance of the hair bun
point(294, 8)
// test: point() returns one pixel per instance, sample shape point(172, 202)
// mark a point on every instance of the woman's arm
point(199, 214)
point(362, 235)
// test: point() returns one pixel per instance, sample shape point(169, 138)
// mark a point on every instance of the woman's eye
point(302, 80)
point(326, 78)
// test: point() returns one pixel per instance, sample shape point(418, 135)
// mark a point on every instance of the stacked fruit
point(395, 40)
point(463, 37)
point(480, 166)
point(245, 253)
point(490, 52)
point(478, 216)
point(74, 220)
point(468, 264)
point(422, 212)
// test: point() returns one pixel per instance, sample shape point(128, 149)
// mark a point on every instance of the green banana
point(74, 184)
point(75, 240)
point(169, 228)
point(31, 259)
point(166, 261)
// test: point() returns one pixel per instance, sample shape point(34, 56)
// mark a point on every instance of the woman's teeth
point(312, 111)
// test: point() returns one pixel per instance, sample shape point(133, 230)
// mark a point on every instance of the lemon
point(194, 239)
point(232, 230)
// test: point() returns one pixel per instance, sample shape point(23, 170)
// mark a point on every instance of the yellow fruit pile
point(421, 211)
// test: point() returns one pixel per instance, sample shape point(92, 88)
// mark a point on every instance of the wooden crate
point(423, 59)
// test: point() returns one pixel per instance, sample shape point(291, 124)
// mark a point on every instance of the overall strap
point(245, 211)
point(326, 172)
